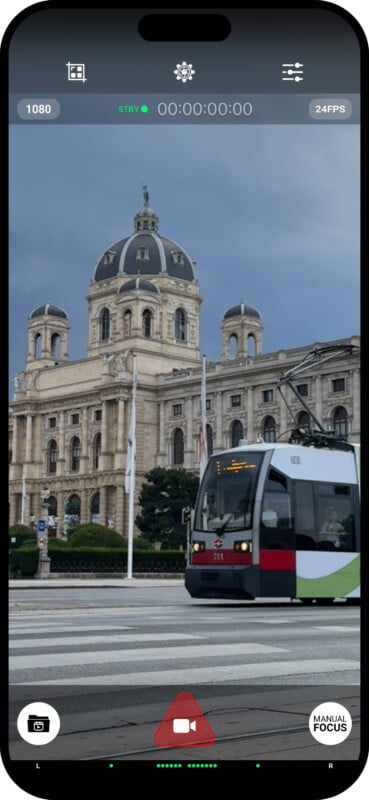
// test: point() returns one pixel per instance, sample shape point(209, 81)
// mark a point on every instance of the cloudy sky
point(270, 214)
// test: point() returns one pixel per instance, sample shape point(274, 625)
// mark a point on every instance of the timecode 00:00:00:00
point(197, 109)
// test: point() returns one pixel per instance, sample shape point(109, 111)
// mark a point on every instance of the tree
point(162, 498)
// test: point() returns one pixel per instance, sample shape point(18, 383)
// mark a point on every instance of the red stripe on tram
point(278, 559)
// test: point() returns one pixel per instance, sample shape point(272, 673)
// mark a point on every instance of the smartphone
point(186, 196)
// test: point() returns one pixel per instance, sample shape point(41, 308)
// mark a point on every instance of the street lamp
point(43, 567)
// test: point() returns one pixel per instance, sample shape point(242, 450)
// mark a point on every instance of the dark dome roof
point(145, 252)
point(242, 311)
point(48, 310)
point(139, 283)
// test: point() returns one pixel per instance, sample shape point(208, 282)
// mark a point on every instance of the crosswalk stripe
point(226, 674)
point(67, 629)
point(44, 660)
point(67, 641)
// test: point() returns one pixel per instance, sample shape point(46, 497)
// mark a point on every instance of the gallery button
point(38, 109)
point(327, 108)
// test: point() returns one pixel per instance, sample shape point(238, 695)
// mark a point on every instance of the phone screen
point(185, 241)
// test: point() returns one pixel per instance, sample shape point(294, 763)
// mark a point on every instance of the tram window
point(334, 516)
point(304, 515)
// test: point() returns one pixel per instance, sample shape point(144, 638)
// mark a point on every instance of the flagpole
point(130, 472)
point(203, 431)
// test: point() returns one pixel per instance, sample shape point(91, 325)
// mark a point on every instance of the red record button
point(184, 725)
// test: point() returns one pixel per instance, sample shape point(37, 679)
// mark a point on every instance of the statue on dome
point(145, 194)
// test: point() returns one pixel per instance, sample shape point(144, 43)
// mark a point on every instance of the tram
point(277, 519)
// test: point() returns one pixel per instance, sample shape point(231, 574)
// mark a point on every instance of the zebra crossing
point(142, 649)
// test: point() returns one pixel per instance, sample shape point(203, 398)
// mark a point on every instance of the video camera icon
point(183, 725)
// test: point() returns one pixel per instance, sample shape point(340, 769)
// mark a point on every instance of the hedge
point(97, 559)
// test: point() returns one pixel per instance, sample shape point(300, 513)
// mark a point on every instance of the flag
point(203, 434)
point(131, 450)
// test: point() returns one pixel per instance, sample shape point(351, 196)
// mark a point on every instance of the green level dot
point(144, 109)
point(257, 765)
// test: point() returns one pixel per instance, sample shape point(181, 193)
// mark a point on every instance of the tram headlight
point(198, 547)
point(242, 547)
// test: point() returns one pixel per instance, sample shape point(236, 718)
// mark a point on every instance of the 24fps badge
point(184, 725)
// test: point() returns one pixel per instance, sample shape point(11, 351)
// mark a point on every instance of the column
point(84, 516)
point(15, 443)
point(355, 424)
point(104, 434)
point(119, 509)
point(283, 422)
point(103, 509)
point(189, 448)
point(28, 438)
point(12, 509)
point(60, 514)
point(61, 449)
point(121, 443)
point(250, 415)
point(84, 448)
point(318, 401)
point(219, 444)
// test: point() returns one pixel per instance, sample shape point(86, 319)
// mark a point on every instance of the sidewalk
point(101, 582)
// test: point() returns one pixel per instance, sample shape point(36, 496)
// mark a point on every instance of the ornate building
point(69, 420)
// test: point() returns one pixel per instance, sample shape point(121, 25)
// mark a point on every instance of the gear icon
point(184, 72)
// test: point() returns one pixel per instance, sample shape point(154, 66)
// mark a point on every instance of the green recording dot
point(257, 765)
point(144, 109)
point(111, 765)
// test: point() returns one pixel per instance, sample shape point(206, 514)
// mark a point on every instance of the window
point(52, 422)
point(208, 405)
point(177, 257)
point(276, 524)
point(209, 439)
point(303, 420)
point(96, 451)
point(51, 456)
point(142, 254)
point(340, 421)
point(147, 323)
point(236, 433)
point(303, 389)
point(104, 325)
point(269, 431)
point(95, 508)
point(98, 415)
point(178, 447)
point(180, 325)
point(338, 385)
point(267, 396)
point(75, 454)
point(127, 323)
point(235, 400)
point(109, 257)
point(324, 516)
point(177, 410)
point(74, 419)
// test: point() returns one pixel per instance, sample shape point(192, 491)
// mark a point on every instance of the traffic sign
point(41, 525)
point(184, 725)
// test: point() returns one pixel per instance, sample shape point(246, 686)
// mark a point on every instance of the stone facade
point(69, 420)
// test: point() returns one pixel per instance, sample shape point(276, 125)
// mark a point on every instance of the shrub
point(92, 535)
point(22, 534)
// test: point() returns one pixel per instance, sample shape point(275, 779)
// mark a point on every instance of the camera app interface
point(184, 391)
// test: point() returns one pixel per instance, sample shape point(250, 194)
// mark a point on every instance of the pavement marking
point(337, 628)
point(192, 676)
point(124, 656)
point(68, 629)
point(67, 641)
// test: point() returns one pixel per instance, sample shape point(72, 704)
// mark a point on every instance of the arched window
point(96, 451)
point(180, 325)
point(53, 506)
point(209, 439)
point(178, 447)
point(233, 346)
point(73, 510)
point(104, 325)
point(147, 323)
point(52, 450)
point(95, 507)
point(251, 346)
point(127, 323)
point(340, 421)
point(236, 432)
point(38, 346)
point(269, 432)
point(75, 454)
point(55, 346)
point(303, 420)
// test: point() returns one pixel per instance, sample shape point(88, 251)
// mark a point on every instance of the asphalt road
point(113, 658)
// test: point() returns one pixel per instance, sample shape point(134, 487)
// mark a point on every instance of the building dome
point(48, 310)
point(139, 283)
point(145, 252)
point(242, 311)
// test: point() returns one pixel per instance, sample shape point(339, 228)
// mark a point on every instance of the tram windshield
point(227, 493)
